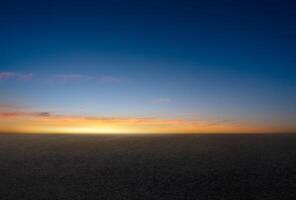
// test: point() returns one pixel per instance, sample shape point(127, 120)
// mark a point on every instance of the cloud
point(61, 78)
point(71, 77)
point(222, 121)
point(7, 106)
point(43, 114)
point(25, 114)
point(162, 100)
point(6, 75)
point(108, 79)
point(25, 76)
point(17, 76)
point(82, 77)
point(10, 107)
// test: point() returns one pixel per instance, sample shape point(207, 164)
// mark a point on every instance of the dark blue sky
point(185, 59)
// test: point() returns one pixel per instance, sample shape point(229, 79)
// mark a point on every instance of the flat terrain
point(237, 167)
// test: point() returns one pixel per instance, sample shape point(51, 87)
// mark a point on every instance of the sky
point(129, 66)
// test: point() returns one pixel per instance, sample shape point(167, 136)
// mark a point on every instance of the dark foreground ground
point(148, 167)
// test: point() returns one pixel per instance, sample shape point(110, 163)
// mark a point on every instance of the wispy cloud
point(161, 100)
point(82, 77)
point(61, 78)
point(25, 114)
point(7, 106)
point(108, 79)
point(222, 121)
point(6, 75)
point(17, 76)
point(71, 77)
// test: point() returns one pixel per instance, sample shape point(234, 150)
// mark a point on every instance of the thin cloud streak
point(162, 100)
point(108, 79)
point(16, 76)
point(222, 121)
point(82, 77)
point(61, 78)
point(71, 77)
point(25, 114)
point(4, 106)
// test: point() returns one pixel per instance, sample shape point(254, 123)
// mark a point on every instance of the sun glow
point(12, 121)
point(31, 122)
point(86, 130)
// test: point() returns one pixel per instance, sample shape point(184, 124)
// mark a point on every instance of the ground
point(197, 167)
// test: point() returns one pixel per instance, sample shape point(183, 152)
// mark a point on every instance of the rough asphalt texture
point(197, 167)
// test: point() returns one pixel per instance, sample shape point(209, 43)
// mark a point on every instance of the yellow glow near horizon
point(32, 123)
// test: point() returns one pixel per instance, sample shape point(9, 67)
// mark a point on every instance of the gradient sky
point(147, 66)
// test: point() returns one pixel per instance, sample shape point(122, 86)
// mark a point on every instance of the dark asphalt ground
point(197, 167)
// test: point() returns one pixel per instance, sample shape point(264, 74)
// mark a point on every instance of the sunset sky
point(147, 66)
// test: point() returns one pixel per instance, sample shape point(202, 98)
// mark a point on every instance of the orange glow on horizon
point(22, 122)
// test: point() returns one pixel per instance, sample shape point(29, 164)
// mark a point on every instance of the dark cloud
point(221, 122)
point(43, 114)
